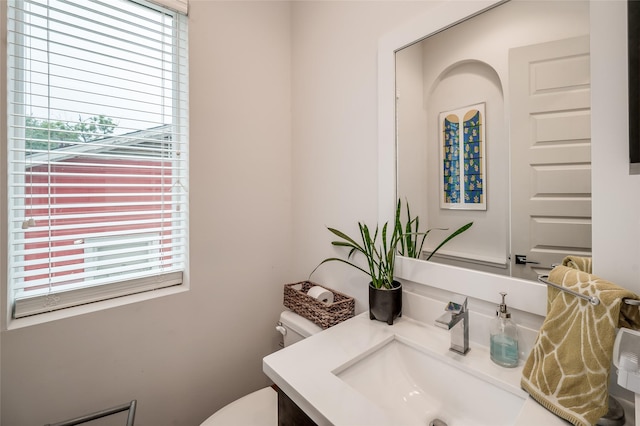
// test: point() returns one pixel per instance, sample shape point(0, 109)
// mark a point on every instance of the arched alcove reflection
point(456, 86)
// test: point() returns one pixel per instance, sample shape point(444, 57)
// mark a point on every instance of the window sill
point(14, 324)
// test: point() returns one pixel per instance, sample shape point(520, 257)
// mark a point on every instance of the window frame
point(89, 298)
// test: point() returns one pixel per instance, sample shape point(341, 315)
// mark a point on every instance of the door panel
point(550, 154)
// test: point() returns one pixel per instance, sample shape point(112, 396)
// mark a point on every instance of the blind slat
point(106, 232)
point(92, 269)
point(163, 248)
point(174, 243)
point(87, 244)
point(44, 222)
point(121, 206)
point(89, 195)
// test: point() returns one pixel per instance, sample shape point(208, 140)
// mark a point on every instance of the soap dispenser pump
point(504, 337)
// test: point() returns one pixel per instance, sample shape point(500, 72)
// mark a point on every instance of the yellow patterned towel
point(568, 368)
point(577, 262)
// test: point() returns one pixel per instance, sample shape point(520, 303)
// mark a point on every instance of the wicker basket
point(323, 314)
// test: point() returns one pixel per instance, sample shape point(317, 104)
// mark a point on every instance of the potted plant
point(408, 243)
point(385, 293)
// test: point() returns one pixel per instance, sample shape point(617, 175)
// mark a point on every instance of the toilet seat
point(259, 408)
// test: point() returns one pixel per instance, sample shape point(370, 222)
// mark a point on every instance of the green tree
point(43, 134)
point(95, 127)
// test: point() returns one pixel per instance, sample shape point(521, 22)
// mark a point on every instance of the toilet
point(260, 408)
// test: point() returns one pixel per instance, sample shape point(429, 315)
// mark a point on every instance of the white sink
point(415, 387)
point(366, 373)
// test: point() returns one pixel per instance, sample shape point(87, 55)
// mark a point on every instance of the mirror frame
point(633, 31)
point(528, 296)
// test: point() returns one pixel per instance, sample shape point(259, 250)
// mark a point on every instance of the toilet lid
point(259, 408)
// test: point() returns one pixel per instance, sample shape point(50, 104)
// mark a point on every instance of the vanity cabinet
point(289, 414)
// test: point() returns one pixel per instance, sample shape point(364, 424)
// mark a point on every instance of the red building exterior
point(75, 199)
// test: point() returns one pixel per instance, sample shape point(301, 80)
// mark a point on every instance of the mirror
point(519, 72)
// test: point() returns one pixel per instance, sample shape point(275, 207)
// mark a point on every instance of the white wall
point(616, 194)
point(186, 355)
point(335, 156)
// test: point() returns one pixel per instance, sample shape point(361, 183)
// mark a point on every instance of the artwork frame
point(633, 27)
point(463, 175)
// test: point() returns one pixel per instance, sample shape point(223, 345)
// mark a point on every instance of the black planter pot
point(385, 304)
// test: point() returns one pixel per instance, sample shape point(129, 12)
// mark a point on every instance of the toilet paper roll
point(321, 294)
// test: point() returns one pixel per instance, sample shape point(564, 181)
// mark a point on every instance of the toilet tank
point(295, 328)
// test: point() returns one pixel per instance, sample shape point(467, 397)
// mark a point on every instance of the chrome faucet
point(456, 319)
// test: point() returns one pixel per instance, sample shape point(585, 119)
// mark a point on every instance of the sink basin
point(415, 388)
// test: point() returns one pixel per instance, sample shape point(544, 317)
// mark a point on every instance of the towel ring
point(591, 299)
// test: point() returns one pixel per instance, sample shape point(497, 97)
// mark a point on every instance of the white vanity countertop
point(305, 370)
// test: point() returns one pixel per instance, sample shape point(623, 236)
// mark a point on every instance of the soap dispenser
point(504, 337)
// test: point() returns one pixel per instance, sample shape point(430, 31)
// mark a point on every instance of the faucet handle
point(457, 305)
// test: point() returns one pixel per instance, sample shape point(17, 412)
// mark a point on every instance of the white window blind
point(97, 151)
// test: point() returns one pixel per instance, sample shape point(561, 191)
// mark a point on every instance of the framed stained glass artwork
point(463, 178)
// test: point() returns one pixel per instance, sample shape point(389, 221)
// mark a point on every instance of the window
point(97, 151)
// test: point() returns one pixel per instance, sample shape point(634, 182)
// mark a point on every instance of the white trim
point(459, 256)
point(527, 296)
point(181, 6)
